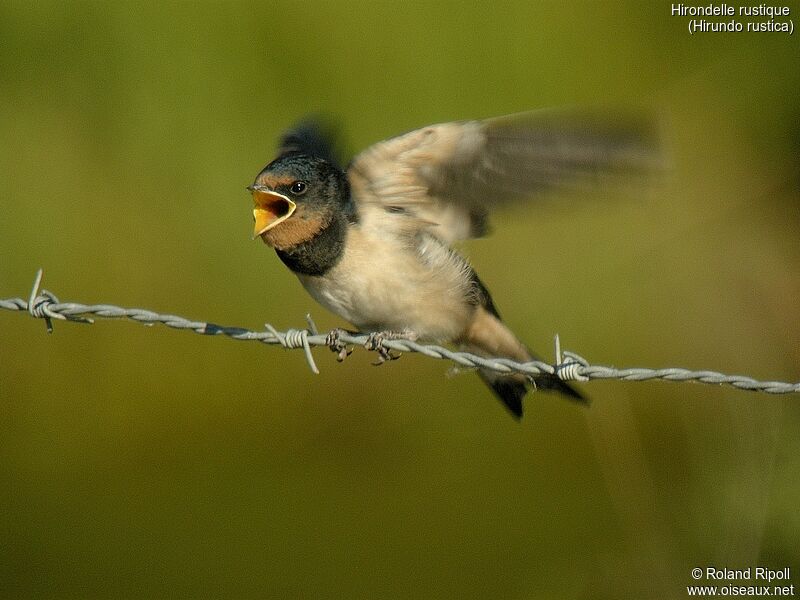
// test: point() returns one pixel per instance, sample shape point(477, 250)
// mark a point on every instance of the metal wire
point(569, 366)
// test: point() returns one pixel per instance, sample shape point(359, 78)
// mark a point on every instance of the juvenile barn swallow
point(372, 242)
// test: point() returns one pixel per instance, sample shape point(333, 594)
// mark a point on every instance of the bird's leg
point(336, 346)
point(375, 343)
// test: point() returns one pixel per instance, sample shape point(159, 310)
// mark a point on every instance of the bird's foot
point(375, 343)
point(337, 346)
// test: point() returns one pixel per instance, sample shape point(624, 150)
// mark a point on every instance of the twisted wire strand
point(569, 366)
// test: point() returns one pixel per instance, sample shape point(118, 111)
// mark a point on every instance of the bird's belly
point(393, 291)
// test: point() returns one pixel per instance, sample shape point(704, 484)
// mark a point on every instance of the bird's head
point(295, 197)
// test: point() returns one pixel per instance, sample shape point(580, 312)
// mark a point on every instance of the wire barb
point(568, 365)
point(39, 305)
point(297, 338)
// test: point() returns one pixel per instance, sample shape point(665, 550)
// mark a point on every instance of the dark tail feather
point(554, 384)
point(509, 391)
point(487, 335)
point(512, 391)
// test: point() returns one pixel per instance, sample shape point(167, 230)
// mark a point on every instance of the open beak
point(271, 209)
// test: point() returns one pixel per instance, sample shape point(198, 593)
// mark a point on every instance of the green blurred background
point(143, 462)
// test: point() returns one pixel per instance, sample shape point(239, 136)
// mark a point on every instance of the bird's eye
point(298, 187)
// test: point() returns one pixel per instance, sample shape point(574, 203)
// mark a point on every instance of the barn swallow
point(373, 242)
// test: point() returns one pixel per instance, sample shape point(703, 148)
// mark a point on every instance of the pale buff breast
point(379, 286)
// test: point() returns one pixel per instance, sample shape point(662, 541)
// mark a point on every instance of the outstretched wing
point(450, 176)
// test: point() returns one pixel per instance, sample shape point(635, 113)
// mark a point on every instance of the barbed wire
point(568, 366)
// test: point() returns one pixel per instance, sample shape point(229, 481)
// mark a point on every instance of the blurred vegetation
point(140, 462)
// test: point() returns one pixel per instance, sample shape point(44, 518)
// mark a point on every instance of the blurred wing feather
point(453, 174)
point(314, 136)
